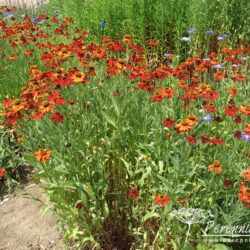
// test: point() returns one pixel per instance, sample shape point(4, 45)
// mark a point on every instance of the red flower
point(152, 43)
point(79, 205)
point(2, 172)
point(7, 102)
point(237, 135)
point(230, 111)
point(246, 174)
point(192, 139)
point(244, 195)
point(217, 119)
point(211, 95)
point(217, 141)
point(227, 182)
point(37, 115)
point(43, 155)
point(238, 119)
point(205, 139)
point(57, 117)
point(167, 92)
point(168, 122)
point(210, 107)
point(157, 98)
point(162, 199)
point(71, 102)
point(133, 193)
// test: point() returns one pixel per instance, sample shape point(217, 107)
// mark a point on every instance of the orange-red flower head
point(215, 167)
point(162, 199)
point(43, 155)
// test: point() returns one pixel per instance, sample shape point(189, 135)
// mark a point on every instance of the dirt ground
point(21, 225)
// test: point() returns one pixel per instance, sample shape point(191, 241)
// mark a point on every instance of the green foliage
point(10, 159)
point(164, 20)
point(112, 139)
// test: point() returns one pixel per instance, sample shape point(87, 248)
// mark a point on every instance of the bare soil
point(22, 227)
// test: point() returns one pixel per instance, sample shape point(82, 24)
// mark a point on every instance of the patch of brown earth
point(22, 227)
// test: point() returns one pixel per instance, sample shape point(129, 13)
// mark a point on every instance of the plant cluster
point(121, 136)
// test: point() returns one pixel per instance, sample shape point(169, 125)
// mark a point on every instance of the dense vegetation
point(123, 133)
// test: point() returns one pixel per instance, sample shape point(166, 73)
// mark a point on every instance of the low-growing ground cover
point(123, 137)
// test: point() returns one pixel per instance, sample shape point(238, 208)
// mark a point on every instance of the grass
point(167, 21)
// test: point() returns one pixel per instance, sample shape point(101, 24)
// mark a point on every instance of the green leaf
point(221, 247)
point(188, 247)
point(150, 215)
point(109, 120)
point(145, 175)
point(127, 167)
point(115, 106)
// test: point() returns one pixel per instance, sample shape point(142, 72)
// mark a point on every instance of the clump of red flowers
point(57, 117)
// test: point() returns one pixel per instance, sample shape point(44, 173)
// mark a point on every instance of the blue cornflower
point(186, 39)
point(36, 20)
point(191, 31)
point(209, 32)
point(222, 37)
point(8, 14)
point(167, 54)
point(103, 23)
point(245, 136)
point(207, 118)
point(218, 66)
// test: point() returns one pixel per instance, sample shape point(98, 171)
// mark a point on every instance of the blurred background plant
point(167, 21)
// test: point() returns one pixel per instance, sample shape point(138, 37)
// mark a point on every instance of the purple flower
point(217, 66)
point(191, 31)
point(167, 54)
point(209, 32)
point(8, 14)
point(36, 20)
point(222, 37)
point(207, 118)
point(186, 39)
point(245, 136)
